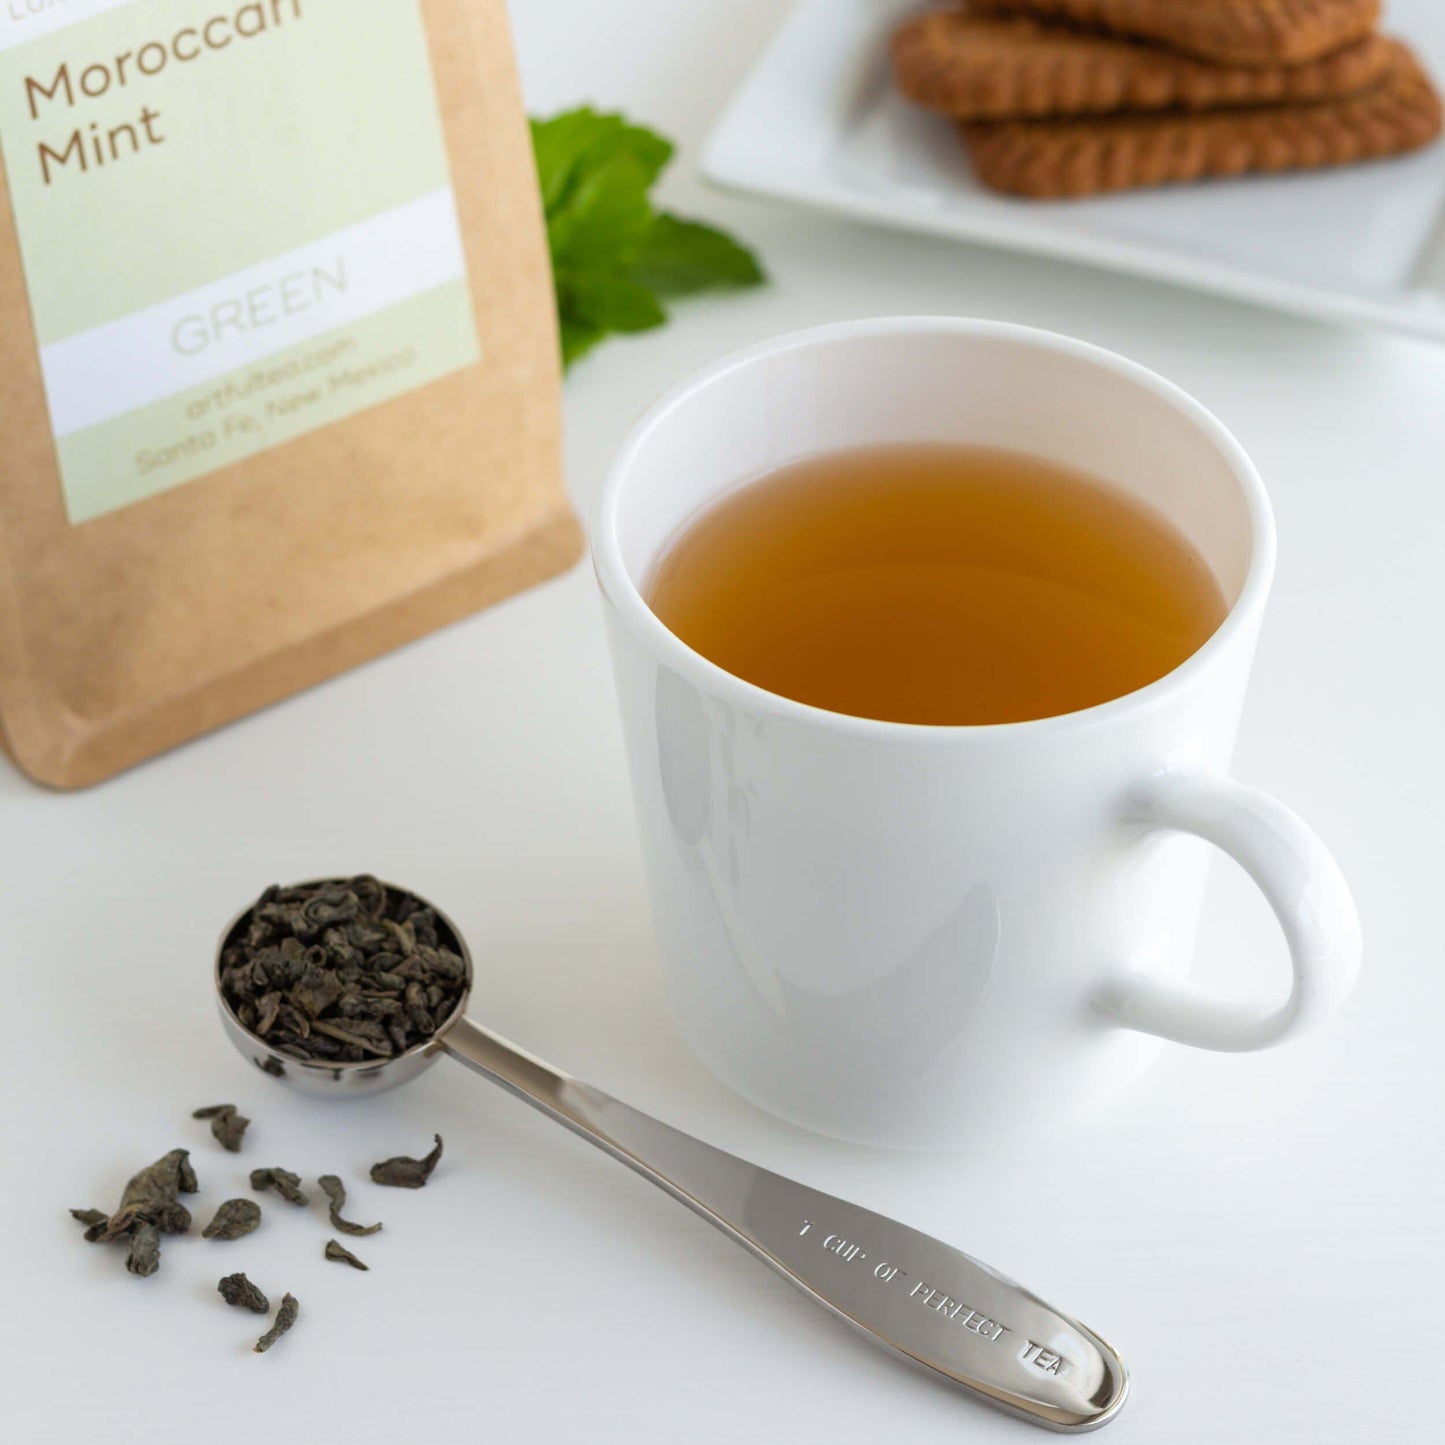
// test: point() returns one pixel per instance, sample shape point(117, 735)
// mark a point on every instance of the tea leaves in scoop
point(342, 972)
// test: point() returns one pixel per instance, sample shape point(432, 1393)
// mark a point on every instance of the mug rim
point(618, 587)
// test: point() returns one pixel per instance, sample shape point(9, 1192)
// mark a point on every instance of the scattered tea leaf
point(335, 1191)
point(342, 1255)
point(148, 1208)
point(236, 1289)
point(236, 1217)
point(151, 1194)
point(95, 1221)
point(285, 1318)
point(404, 1173)
point(283, 1181)
point(227, 1124)
point(144, 1256)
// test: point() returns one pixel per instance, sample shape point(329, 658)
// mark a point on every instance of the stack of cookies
point(1063, 98)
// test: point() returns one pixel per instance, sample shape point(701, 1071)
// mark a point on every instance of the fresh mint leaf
point(578, 141)
point(578, 338)
point(613, 255)
point(613, 302)
point(558, 144)
point(605, 220)
point(681, 258)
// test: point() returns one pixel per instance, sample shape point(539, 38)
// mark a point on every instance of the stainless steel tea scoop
point(909, 1293)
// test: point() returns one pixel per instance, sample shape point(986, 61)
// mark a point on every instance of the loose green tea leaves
point(336, 1192)
point(283, 1181)
point(405, 1173)
point(236, 1217)
point(342, 1255)
point(285, 1318)
point(236, 1289)
point(149, 1208)
point(227, 1124)
point(344, 972)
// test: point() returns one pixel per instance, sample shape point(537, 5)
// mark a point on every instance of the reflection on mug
point(910, 1009)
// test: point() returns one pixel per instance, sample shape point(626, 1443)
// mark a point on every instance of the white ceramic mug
point(912, 935)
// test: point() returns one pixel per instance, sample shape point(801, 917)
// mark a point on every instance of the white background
point(1261, 1236)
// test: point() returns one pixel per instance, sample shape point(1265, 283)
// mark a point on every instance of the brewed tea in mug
point(937, 584)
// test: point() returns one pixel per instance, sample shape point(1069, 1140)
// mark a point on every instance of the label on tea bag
point(237, 226)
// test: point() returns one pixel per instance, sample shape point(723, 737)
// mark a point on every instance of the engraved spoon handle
point(908, 1292)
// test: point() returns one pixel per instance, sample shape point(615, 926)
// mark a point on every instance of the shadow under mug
point(917, 935)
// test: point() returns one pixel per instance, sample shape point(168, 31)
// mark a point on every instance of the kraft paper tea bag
point(280, 385)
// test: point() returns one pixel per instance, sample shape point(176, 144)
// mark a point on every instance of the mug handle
point(1302, 884)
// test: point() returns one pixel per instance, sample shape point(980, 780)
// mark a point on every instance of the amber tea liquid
point(937, 584)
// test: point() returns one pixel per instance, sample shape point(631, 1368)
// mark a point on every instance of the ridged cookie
point(984, 67)
point(1069, 158)
point(1240, 32)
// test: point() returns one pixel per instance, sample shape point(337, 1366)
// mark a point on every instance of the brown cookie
point(1241, 32)
point(1066, 158)
point(985, 68)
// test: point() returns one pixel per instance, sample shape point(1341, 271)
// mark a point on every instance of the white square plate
point(818, 121)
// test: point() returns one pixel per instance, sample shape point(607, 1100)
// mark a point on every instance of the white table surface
point(1263, 1237)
